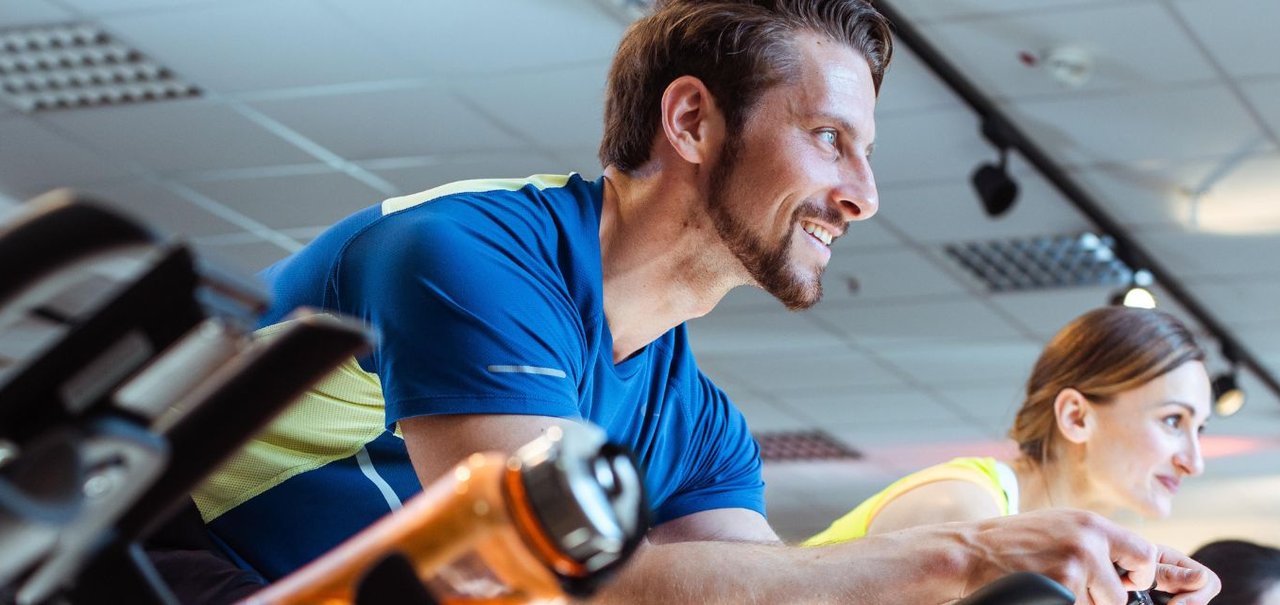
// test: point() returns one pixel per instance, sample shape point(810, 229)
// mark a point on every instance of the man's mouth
point(819, 232)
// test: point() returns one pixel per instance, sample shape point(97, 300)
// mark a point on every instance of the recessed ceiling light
point(79, 65)
point(1054, 261)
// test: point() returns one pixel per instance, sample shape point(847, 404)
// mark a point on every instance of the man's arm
point(732, 556)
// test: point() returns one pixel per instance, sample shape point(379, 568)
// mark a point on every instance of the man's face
point(798, 172)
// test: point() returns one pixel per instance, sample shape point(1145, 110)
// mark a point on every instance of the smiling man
point(736, 149)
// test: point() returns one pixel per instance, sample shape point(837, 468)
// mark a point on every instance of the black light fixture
point(995, 188)
point(1228, 397)
point(1138, 294)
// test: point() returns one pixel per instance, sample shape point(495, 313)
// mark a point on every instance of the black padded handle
point(1021, 588)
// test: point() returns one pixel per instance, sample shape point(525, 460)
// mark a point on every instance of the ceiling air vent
point(802, 446)
point(79, 65)
point(1053, 261)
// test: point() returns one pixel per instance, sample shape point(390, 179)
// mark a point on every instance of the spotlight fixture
point(1228, 397)
point(1138, 295)
point(995, 188)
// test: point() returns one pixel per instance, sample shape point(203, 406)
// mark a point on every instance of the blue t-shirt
point(487, 298)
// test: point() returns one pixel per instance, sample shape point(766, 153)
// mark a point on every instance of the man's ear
point(691, 121)
point(1075, 415)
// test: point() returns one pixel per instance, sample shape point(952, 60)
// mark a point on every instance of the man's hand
point(1192, 582)
point(1079, 549)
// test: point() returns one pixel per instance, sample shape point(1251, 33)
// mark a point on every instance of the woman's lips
point(1169, 483)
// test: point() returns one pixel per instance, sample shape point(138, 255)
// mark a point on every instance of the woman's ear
point(1075, 415)
point(691, 121)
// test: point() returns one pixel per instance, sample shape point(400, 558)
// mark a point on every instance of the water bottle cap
point(586, 494)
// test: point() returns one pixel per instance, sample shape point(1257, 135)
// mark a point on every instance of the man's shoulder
point(554, 185)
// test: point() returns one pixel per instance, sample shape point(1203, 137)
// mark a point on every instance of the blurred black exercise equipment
point(128, 371)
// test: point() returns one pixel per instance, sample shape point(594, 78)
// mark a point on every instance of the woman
point(1111, 420)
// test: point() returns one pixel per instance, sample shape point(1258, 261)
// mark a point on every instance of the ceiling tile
point(910, 86)
point(1044, 312)
point(285, 202)
point(438, 170)
point(176, 136)
point(583, 161)
point(34, 159)
point(868, 234)
point(994, 404)
point(870, 406)
point(470, 38)
point(1139, 195)
point(1140, 127)
point(245, 257)
point(413, 121)
point(762, 415)
point(927, 146)
point(560, 109)
point(1261, 337)
point(1207, 255)
point(161, 208)
point(951, 212)
point(106, 7)
point(885, 273)
point(1240, 198)
point(734, 331)
point(1265, 97)
point(932, 10)
point(957, 363)
point(878, 327)
point(912, 445)
point(1240, 301)
point(752, 298)
point(1239, 33)
point(19, 13)
point(243, 46)
point(801, 372)
point(988, 50)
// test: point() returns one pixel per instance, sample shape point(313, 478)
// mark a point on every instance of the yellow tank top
point(990, 473)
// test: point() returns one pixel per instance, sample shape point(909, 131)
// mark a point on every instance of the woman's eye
point(828, 137)
point(1173, 421)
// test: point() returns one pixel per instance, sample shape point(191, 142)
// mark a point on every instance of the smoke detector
point(1069, 65)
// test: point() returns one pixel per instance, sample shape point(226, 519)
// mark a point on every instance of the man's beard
point(768, 263)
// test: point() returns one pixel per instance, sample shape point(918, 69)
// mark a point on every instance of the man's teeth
point(818, 232)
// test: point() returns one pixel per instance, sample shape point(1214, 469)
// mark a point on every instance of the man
point(736, 149)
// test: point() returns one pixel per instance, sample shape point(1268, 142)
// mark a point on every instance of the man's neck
point(662, 260)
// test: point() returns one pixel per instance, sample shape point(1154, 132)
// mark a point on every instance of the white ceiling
point(316, 108)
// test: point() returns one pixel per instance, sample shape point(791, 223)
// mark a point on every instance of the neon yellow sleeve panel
point(332, 421)
point(854, 524)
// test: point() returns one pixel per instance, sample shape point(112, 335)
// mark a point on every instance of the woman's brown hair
point(1101, 353)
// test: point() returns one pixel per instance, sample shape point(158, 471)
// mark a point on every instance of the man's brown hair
point(738, 48)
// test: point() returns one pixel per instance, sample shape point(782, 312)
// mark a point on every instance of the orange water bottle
point(547, 523)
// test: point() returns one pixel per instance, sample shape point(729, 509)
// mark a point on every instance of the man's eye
point(828, 137)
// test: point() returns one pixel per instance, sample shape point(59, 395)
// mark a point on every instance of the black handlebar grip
point(1022, 588)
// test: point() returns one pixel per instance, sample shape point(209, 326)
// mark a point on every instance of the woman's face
point(1147, 440)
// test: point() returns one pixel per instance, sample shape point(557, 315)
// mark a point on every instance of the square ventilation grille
point(802, 446)
point(78, 65)
point(1054, 261)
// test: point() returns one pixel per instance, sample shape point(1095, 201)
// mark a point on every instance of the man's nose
point(857, 196)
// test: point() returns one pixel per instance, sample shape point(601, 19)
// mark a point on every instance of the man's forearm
point(917, 566)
